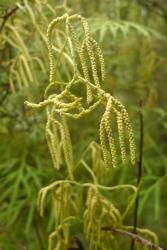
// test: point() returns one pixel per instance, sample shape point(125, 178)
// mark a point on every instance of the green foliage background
point(133, 36)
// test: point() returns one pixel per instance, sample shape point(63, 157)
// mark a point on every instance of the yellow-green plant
point(63, 102)
point(23, 64)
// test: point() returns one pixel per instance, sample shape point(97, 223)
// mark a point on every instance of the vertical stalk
point(38, 234)
point(140, 171)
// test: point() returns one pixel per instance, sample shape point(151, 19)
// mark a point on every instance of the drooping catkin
point(121, 134)
point(74, 37)
point(63, 202)
point(70, 45)
point(98, 164)
point(89, 47)
point(22, 74)
point(92, 61)
point(27, 68)
point(54, 144)
point(65, 109)
point(85, 70)
point(116, 108)
point(81, 49)
point(41, 200)
point(18, 78)
point(101, 58)
point(58, 240)
point(103, 143)
point(49, 36)
point(128, 125)
point(99, 212)
point(109, 132)
point(67, 146)
point(66, 104)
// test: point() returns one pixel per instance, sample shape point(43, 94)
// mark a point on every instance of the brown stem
point(6, 16)
point(133, 236)
point(5, 93)
point(38, 234)
point(139, 172)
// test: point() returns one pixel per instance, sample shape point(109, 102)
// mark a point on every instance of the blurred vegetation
point(132, 35)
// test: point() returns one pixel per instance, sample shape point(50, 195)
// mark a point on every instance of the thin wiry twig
point(38, 234)
point(139, 172)
point(133, 236)
point(5, 93)
point(6, 16)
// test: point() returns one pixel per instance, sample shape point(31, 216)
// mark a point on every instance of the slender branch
point(4, 94)
point(133, 236)
point(38, 234)
point(6, 16)
point(140, 170)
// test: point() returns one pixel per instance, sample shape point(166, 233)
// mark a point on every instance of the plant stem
point(6, 16)
point(140, 171)
point(38, 234)
point(133, 236)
